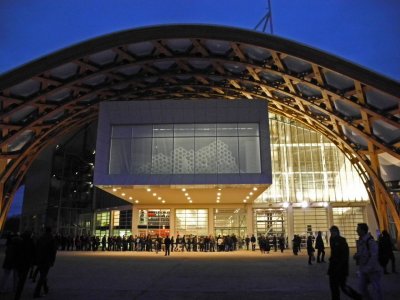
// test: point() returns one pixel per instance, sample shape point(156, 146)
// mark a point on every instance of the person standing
point(386, 252)
point(319, 245)
point(367, 259)
point(46, 251)
point(167, 242)
point(338, 269)
point(253, 242)
point(310, 249)
point(247, 240)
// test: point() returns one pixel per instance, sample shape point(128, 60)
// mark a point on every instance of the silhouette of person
point(24, 257)
point(338, 269)
point(46, 251)
point(319, 245)
point(386, 252)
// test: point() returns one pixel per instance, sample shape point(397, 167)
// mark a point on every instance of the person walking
point(24, 257)
point(368, 265)
point(338, 268)
point(46, 251)
point(319, 245)
point(386, 252)
point(310, 249)
point(167, 242)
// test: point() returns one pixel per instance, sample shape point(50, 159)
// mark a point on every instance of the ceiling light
point(244, 200)
point(190, 201)
point(304, 204)
point(154, 194)
point(123, 194)
point(189, 198)
point(159, 198)
point(136, 201)
point(186, 194)
point(130, 198)
point(183, 190)
point(149, 190)
point(219, 194)
point(247, 197)
point(285, 204)
point(217, 201)
point(114, 189)
point(251, 193)
point(163, 201)
point(255, 189)
point(326, 204)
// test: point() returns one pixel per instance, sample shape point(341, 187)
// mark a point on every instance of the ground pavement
point(191, 275)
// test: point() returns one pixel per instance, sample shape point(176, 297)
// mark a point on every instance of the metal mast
point(266, 20)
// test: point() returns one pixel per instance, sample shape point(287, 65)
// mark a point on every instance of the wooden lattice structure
point(356, 109)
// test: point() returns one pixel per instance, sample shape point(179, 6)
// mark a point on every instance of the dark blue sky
point(366, 32)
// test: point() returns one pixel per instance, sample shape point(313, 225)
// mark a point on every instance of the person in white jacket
point(370, 271)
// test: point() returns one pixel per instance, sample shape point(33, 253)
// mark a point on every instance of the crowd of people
point(29, 256)
point(152, 243)
point(25, 256)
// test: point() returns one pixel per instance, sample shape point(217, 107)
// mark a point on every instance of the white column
point(172, 223)
point(211, 229)
point(135, 220)
point(249, 219)
point(290, 225)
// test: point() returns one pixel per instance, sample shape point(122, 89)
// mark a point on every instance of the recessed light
point(149, 190)
point(218, 198)
point(136, 201)
point(154, 194)
point(247, 197)
point(251, 193)
point(183, 190)
point(163, 201)
point(219, 194)
point(190, 201)
point(130, 198)
point(255, 189)
point(159, 198)
point(217, 201)
point(114, 189)
point(186, 194)
point(123, 194)
point(244, 200)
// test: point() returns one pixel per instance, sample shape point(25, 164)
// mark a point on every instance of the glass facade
point(222, 148)
point(154, 221)
point(191, 221)
point(270, 222)
point(306, 166)
point(230, 221)
point(347, 218)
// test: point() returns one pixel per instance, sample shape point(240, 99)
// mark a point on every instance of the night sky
point(365, 32)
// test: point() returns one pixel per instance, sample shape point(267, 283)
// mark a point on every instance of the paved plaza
point(191, 275)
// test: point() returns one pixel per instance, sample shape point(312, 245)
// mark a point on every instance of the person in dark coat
point(9, 261)
point(319, 245)
point(46, 251)
point(24, 257)
point(386, 252)
point(338, 269)
point(167, 242)
point(310, 249)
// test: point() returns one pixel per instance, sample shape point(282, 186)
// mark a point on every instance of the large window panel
point(205, 130)
point(120, 156)
point(227, 153)
point(183, 130)
point(205, 155)
point(227, 129)
point(163, 130)
point(184, 155)
point(142, 131)
point(121, 132)
point(248, 129)
point(249, 155)
point(161, 162)
point(141, 156)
